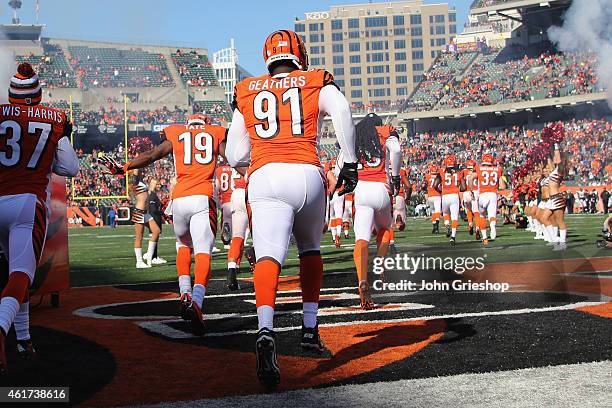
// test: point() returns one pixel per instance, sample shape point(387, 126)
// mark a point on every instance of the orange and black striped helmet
point(487, 158)
point(285, 45)
point(450, 161)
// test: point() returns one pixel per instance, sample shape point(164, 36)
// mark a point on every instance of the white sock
point(339, 229)
point(22, 322)
point(551, 233)
point(453, 232)
point(151, 249)
point(9, 306)
point(563, 235)
point(493, 229)
point(198, 294)
point(484, 233)
point(231, 265)
point(333, 232)
point(265, 317)
point(392, 242)
point(446, 222)
point(138, 252)
point(310, 314)
point(184, 284)
point(556, 234)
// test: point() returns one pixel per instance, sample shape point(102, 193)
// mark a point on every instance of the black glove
point(396, 180)
point(348, 177)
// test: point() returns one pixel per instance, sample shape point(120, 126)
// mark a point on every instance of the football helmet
point(285, 45)
point(198, 119)
point(470, 164)
point(450, 161)
point(487, 158)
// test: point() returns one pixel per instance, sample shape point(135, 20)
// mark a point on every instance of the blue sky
point(196, 23)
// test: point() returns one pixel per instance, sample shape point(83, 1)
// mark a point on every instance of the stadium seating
point(194, 68)
point(111, 67)
point(502, 76)
point(52, 67)
point(216, 109)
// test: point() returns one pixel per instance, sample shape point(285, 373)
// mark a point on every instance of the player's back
point(224, 182)
point(281, 114)
point(431, 182)
point(488, 178)
point(195, 149)
point(451, 180)
point(376, 169)
point(28, 139)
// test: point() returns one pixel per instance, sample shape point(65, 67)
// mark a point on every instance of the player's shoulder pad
point(324, 76)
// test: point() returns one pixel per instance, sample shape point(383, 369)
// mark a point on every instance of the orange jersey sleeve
point(28, 140)
point(281, 115)
point(195, 149)
point(488, 178)
point(451, 181)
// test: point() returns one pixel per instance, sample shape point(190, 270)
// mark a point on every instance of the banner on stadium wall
point(96, 216)
point(158, 127)
point(53, 272)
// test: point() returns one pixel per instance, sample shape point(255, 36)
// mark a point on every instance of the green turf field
point(101, 256)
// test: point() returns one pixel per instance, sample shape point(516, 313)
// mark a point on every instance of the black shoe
point(478, 235)
point(311, 340)
point(452, 241)
point(194, 314)
point(232, 283)
point(25, 350)
point(435, 228)
point(448, 231)
point(268, 372)
point(184, 302)
point(392, 249)
point(226, 234)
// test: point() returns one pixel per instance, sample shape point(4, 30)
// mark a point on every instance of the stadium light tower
point(15, 5)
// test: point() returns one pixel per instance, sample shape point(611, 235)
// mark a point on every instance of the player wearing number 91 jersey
point(195, 147)
point(33, 144)
point(274, 130)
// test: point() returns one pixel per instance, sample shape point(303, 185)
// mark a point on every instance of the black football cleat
point(249, 254)
point(478, 234)
point(194, 314)
point(184, 303)
point(226, 234)
point(268, 372)
point(25, 350)
point(471, 230)
point(311, 340)
point(452, 241)
point(365, 296)
point(231, 282)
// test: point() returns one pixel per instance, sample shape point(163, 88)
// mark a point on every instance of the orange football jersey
point(28, 140)
point(195, 149)
point(467, 173)
point(451, 181)
point(375, 170)
point(224, 183)
point(488, 178)
point(431, 182)
point(281, 115)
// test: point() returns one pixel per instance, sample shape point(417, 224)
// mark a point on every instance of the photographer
point(607, 234)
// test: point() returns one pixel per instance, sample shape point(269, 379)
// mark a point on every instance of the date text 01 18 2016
point(34, 394)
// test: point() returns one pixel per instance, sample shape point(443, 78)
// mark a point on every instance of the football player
point(34, 144)
point(376, 145)
point(240, 227)
point(434, 198)
point(470, 197)
point(275, 130)
point(195, 147)
point(225, 189)
point(347, 214)
point(490, 179)
point(336, 204)
point(449, 182)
